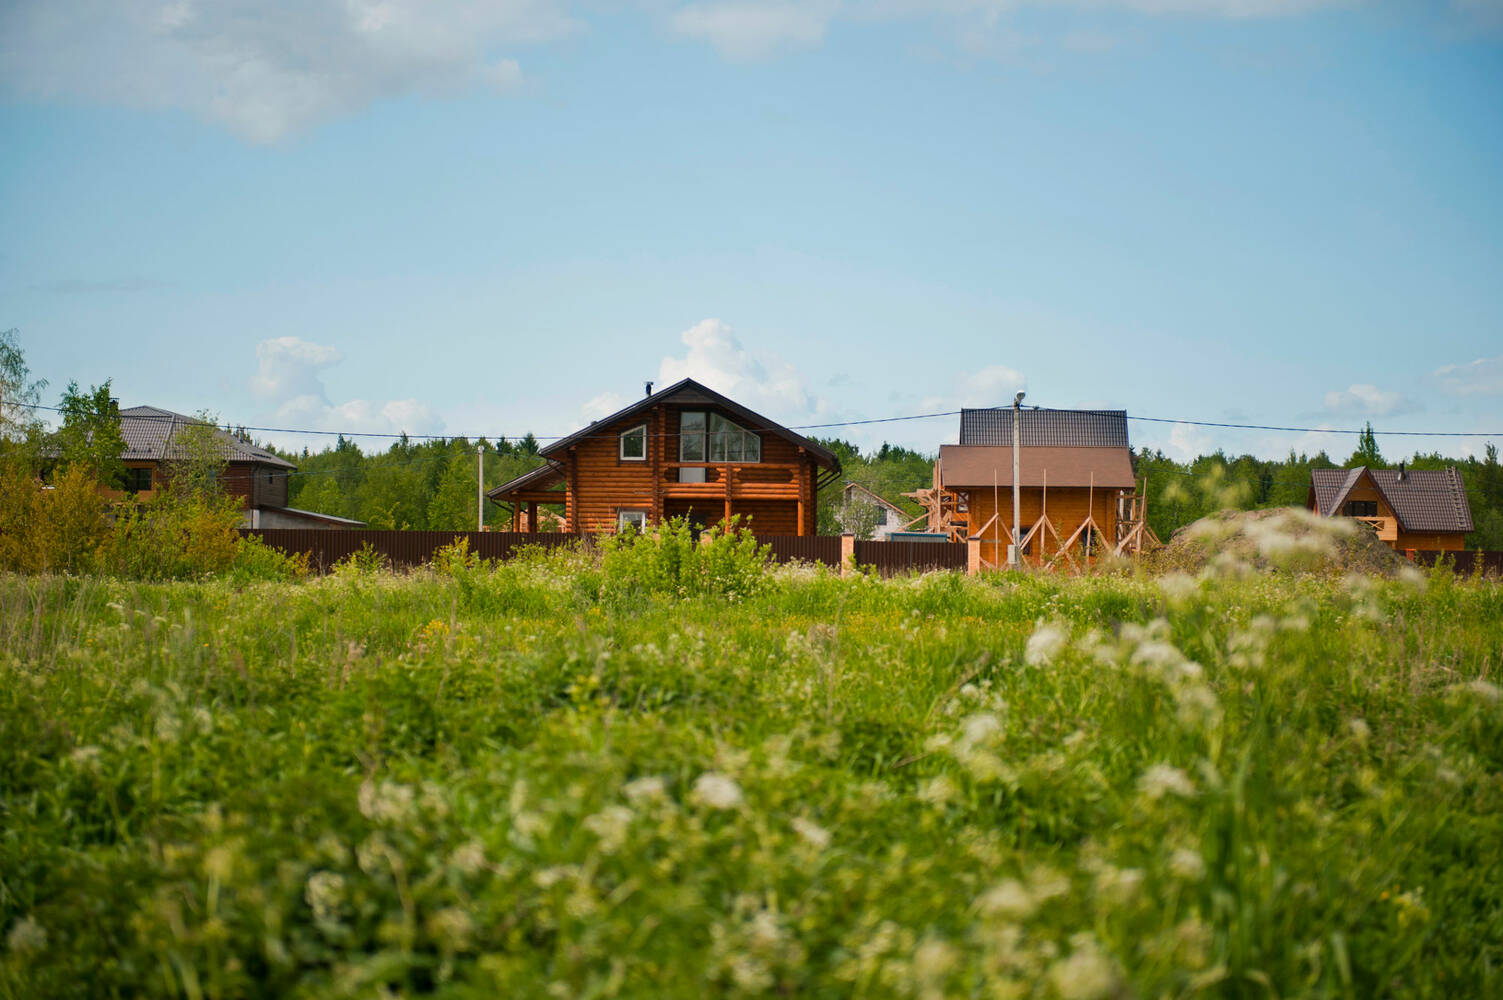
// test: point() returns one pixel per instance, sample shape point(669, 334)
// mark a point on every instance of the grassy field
point(554, 778)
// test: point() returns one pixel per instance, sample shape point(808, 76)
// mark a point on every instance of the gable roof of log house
point(1041, 428)
point(1423, 500)
point(686, 391)
point(151, 435)
point(689, 391)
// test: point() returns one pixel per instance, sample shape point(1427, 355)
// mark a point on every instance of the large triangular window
point(709, 437)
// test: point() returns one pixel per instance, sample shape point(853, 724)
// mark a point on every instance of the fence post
point(847, 553)
point(972, 556)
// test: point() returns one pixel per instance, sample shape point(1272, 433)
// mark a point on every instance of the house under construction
point(1078, 497)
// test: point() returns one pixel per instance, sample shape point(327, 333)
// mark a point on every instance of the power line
point(387, 435)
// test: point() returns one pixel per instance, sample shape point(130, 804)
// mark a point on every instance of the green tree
point(90, 435)
point(1367, 450)
point(453, 505)
point(19, 395)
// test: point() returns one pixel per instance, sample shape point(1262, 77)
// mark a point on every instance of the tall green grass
point(539, 780)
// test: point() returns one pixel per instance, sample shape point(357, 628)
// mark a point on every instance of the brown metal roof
point(543, 477)
point(974, 465)
point(1040, 428)
point(1424, 500)
point(150, 434)
point(688, 390)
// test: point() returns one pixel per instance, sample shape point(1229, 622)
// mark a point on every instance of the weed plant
point(579, 777)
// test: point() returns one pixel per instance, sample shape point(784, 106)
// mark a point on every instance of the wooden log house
point(1422, 509)
point(686, 451)
point(1078, 497)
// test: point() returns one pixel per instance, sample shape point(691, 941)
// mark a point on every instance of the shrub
point(367, 561)
point(257, 561)
point(58, 528)
point(724, 561)
point(176, 535)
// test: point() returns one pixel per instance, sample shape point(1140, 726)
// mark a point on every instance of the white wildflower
point(642, 790)
point(26, 936)
point(938, 791)
point(1118, 885)
point(611, 825)
point(980, 729)
point(933, 961)
point(1044, 645)
point(387, 802)
point(1485, 690)
point(324, 892)
point(716, 791)
point(1162, 779)
point(1177, 587)
point(1010, 899)
point(86, 757)
point(1087, 974)
point(812, 833)
point(1359, 729)
point(1187, 864)
point(468, 858)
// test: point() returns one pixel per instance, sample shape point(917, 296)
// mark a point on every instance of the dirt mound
point(1284, 539)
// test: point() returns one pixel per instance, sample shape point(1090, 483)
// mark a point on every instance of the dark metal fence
point(1464, 563)
point(807, 548)
point(325, 546)
point(900, 557)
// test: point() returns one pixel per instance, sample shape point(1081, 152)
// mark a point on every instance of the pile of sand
point(1284, 539)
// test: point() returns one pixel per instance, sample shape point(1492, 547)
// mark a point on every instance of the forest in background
point(431, 484)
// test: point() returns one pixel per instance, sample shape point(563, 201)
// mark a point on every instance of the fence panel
point(808, 548)
point(326, 546)
point(1465, 563)
point(899, 557)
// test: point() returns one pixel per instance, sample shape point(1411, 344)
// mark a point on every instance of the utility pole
point(480, 487)
point(1017, 409)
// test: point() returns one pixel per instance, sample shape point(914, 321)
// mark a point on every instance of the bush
point(725, 561)
point(50, 529)
point(173, 536)
point(367, 561)
point(257, 561)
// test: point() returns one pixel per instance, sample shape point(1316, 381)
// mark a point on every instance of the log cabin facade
point(1078, 497)
point(1410, 509)
point(686, 451)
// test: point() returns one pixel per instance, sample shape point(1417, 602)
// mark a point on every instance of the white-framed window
point(634, 444)
point(636, 519)
point(709, 437)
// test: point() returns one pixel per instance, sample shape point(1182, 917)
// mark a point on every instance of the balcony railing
point(1386, 527)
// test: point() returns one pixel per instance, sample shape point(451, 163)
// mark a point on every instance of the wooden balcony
point(749, 481)
point(1386, 527)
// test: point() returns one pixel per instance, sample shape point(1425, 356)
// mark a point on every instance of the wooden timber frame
point(631, 466)
point(1126, 534)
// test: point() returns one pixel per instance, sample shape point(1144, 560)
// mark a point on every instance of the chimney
point(649, 388)
point(1401, 472)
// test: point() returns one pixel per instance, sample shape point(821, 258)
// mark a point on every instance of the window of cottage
point(633, 520)
point(709, 437)
point(1362, 508)
point(634, 444)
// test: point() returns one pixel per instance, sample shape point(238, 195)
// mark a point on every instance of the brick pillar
point(847, 553)
point(973, 556)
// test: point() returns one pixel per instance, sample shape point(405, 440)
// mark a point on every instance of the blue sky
point(453, 217)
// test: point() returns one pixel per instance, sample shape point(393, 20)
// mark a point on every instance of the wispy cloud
point(1367, 400)
point(1482, 377)
point(97, 286)
point(753, 29)
point(289, 381)
point(265, 68)
point(761, 381)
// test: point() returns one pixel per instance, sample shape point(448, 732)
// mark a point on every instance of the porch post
point(532, 518)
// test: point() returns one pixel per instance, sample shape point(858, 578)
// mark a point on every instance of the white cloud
point(602, 405)
point(265, 69)
point(752, 29)
point(288, 380)
point(1187, 442)
point(1367, 400)
point(766, 384)
point(994, 385)
point(1482, 377)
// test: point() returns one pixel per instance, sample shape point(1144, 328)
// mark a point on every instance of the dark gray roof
point(150, 434)
point(1045, 428)
point(1424, 500)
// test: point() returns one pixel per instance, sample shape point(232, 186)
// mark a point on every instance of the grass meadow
point(557, 778)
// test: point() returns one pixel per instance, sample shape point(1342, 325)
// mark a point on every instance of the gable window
point(709, 437)
point(634, 444)
point(635, 520)
point(1361, 508)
